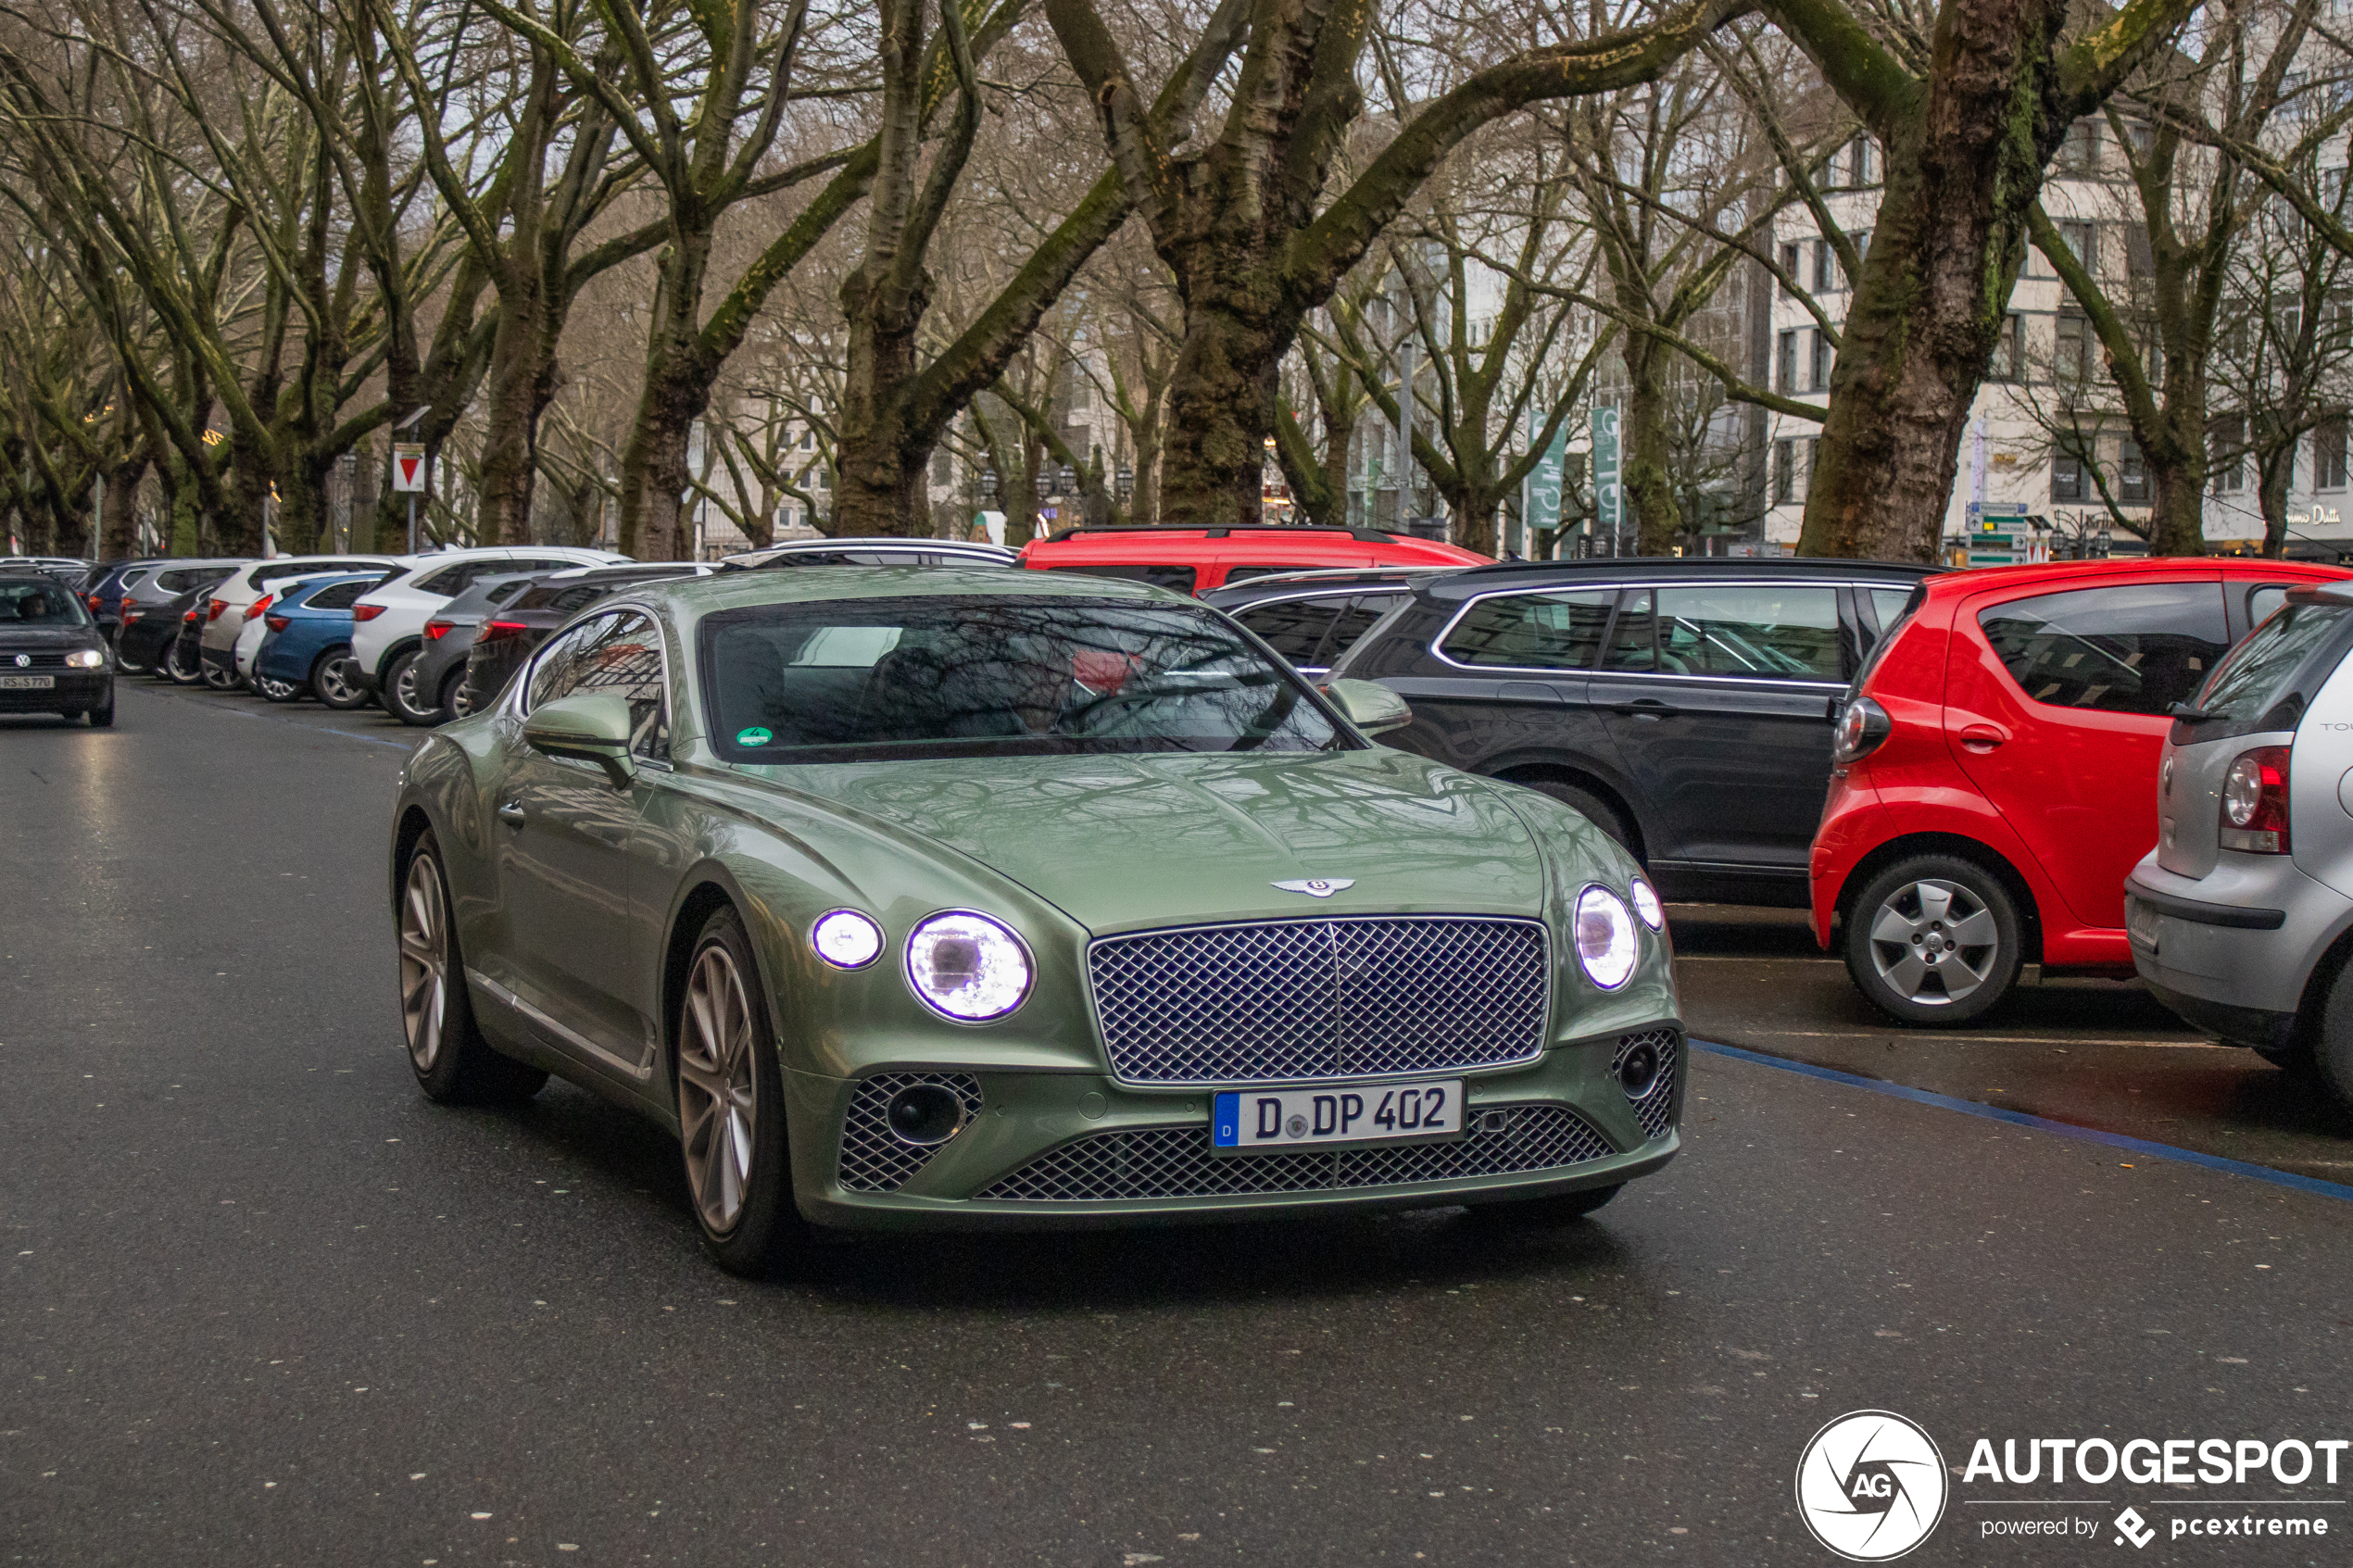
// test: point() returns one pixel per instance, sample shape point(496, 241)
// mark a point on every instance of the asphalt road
point(259, 1303)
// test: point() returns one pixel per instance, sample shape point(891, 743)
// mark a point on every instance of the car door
point(2056, 707)
point(564, 834)
point(1717, 698)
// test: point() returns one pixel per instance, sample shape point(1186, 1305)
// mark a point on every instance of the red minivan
point(1994, 774)
point(1194, 560)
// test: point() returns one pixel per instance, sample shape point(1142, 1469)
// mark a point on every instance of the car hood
point(1126, 841)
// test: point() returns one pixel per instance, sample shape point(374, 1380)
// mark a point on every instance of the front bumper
point(77, 691)
point(1048, 1150)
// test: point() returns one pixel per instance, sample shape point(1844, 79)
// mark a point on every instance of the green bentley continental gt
point(943, 897)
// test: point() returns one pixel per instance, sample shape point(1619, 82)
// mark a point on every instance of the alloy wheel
point(335, 687)
point(718, 1095)
point(274, 689)
point(424, 962)
point(404, 687)
point(219, 679)
point(1933, 942)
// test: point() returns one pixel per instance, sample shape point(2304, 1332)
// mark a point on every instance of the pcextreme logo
point(1871, 1486)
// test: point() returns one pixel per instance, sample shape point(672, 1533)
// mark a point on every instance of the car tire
point(2332, 1043)
point(731, 1106)
point(399, 693)
point(1562, 1209)
point(220, 679)
point(124, 665)
point(332, 679)
point(453, 705)
point(1942, 900)
point(454, 1064)
point(177, 671)
point(103, 718)
point(271, 689)
point(1592, 808)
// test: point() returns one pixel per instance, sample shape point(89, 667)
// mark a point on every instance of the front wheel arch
point(1989, 861)
point(1602, 789)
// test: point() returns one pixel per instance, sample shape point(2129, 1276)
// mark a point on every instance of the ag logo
point(1871, 1486)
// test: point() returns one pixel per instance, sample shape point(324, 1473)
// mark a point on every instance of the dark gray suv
point(1684, 706)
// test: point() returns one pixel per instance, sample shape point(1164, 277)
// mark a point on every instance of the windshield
point(35, 603)
point(2251, 681)
point(958, 675)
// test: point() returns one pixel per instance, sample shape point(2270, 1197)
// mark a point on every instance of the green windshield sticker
point(753, 736)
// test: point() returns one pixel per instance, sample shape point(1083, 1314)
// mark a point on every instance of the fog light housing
point(924, 1114)
point(1638, 1070)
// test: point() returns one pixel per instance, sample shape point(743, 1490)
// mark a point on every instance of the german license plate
point(1266, 1121)
point(27, 683)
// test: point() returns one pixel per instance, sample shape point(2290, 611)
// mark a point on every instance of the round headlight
point(967, 967)
point(1605, 937)
point(1646, 904)
point(845, 939)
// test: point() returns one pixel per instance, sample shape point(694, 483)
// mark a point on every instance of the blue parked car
point(307, 650)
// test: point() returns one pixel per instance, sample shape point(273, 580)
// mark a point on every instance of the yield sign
point(408, 466)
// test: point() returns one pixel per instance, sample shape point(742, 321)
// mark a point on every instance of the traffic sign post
point(409, 470)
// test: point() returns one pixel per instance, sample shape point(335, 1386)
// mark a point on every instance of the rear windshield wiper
point(2194, 715)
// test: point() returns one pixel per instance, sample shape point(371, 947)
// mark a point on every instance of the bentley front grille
point(875, 1158)
point(1179, 1161)
point(1304, 1000)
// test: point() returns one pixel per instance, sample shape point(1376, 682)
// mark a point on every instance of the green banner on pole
point(1544, 486)
point(1608, 499)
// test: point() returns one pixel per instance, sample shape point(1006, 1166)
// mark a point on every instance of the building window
point(2328, 455)
point(2140, 262)
point(1784, 472)
point(2004, 366)
point(2080, 154)
point(1785, 361)
point(1825, 273)
point(1858, 161)
point(1789, 267)
point(1821, 359)
point(2226, 440)
point(2067, 477)
point(940, 469)
point(2132, 474)
point(2072, 347)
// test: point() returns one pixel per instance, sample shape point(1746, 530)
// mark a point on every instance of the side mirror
point(1369, 706)
point(589, 726)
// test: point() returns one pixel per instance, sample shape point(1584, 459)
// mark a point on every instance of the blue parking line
point(2019, 1119)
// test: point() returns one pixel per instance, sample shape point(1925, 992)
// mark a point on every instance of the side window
point(1244, 573)
point(557, 672)
point(1293, 628)
point(2133, 648)
point(1631, 644)
point(2262, 601)
point(1763, 633)
point(449, 582)
point(1362, 612)
point(1531, 631)
point(338, 595)
point(1889, 603)
point(613, 652)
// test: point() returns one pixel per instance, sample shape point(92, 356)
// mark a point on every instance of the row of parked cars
point(1954, 772)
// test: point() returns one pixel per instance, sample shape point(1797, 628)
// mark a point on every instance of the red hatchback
point(1194, 560)
point(1994, 771)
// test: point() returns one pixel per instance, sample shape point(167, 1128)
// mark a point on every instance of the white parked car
point(388, 623)
point(254, 626)
point(225, 617)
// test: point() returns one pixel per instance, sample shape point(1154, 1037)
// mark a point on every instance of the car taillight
point(259, 605)
point(277, 622)
point(189, 619)
point(497, 630)
point(436, 630)
point(2255, 802)
point(366, 612)
point(218, 606)
point(1862, 726)
point(130, 614)
point(95, 600)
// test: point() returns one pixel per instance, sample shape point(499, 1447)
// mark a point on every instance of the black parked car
point(502, 643)
point(1311, 617)
point(150, 629)
point(183, 661)
point(52, 658)
point(1684, 706)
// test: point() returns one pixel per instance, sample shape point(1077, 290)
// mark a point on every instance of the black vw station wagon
point(1684, 704)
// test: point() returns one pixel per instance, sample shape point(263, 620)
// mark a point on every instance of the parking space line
point(2000, 1039)
point(274, 719)
point(2312, 1184)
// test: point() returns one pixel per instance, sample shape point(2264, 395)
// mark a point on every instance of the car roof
point(693, 597)
point(2064, 574)
point(1143, 546)
point(1654, 568)
point(1322, 580)
point(755, 558)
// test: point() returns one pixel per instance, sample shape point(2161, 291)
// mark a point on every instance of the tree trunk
point(880, 489)
point(1221, 404)
point(119, 517)
point(2274, 471)
point(521, 383)
point(1645, 482)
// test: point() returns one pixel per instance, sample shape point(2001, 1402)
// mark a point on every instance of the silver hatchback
point(2242, 917)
